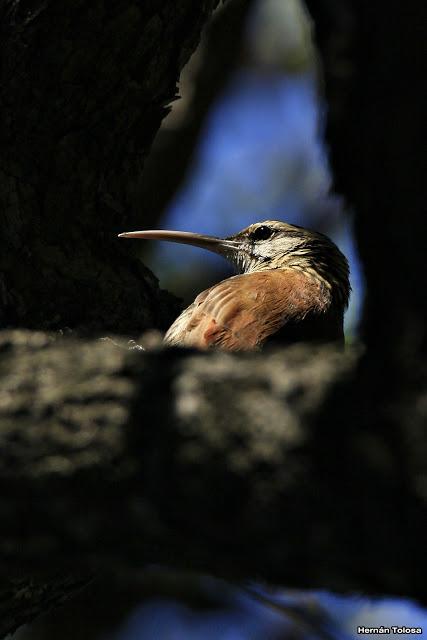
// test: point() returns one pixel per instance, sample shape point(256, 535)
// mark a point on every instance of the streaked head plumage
point(273, 244)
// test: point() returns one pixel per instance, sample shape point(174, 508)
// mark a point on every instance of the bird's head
point(271, 245)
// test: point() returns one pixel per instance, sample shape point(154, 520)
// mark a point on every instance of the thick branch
point(213, 462)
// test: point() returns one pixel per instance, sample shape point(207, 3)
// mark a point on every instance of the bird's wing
point(241, 312)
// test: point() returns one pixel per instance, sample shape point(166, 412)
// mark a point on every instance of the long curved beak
point(222, 246)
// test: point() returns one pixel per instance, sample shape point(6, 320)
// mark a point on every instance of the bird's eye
point(261, 233)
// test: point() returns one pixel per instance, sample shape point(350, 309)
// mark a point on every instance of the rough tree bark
point(300, 468)
point(85, 86)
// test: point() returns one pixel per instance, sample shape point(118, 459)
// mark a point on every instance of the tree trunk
point(85, 86)
point(374, 56)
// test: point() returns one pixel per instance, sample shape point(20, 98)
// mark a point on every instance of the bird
point(292, 285)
